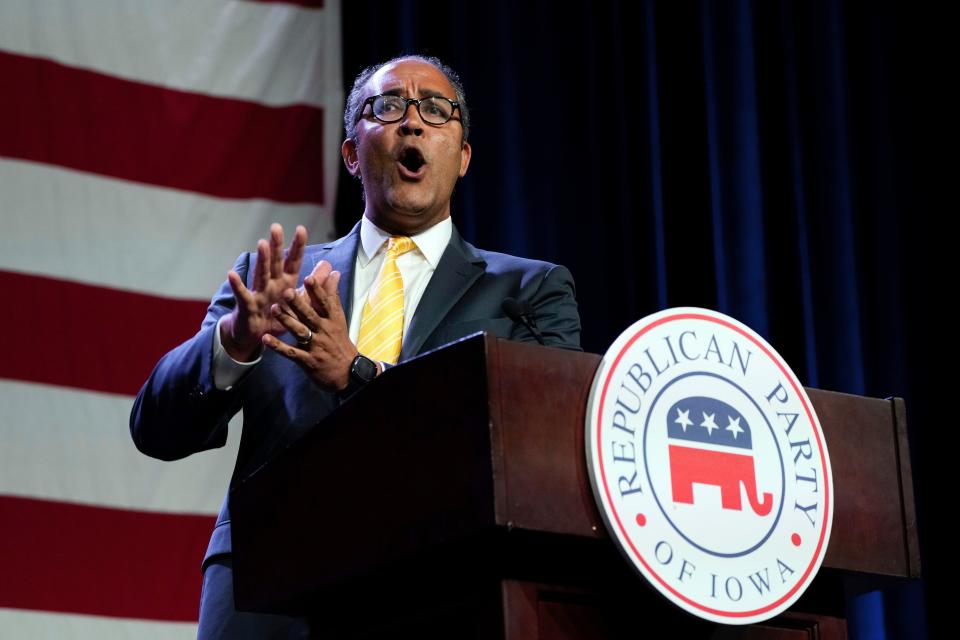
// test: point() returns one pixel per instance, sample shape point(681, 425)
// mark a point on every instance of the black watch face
point(364, 369)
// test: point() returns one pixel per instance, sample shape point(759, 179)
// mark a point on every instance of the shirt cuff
point(227, 371)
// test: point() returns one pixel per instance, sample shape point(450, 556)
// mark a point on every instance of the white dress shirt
point(416, 267)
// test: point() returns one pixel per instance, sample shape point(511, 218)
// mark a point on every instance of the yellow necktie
point(381, 325)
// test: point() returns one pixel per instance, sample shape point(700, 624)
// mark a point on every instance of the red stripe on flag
point(77, 335)
point(223, 147)
point(73, 558)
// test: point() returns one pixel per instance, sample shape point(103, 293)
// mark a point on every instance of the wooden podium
point(450, 498)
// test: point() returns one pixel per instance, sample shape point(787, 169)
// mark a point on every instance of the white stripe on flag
point(272, 53)
point(41, 625)
point(113, 233)
point(81, 440)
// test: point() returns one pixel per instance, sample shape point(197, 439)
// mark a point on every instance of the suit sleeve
point(179, 411)
point(557, 316)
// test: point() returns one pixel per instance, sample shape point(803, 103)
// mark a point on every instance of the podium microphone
point(523, 313)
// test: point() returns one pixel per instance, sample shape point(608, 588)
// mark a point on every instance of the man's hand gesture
point(315, 317)
point(242, 331)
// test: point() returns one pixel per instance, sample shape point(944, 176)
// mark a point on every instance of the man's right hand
point(242, 330)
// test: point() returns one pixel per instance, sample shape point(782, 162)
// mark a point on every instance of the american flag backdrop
point(143, 145)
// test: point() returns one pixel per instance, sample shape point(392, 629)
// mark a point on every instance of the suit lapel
point(342, 254)
point(459, 268)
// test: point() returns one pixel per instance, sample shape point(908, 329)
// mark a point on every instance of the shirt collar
point(431, 243)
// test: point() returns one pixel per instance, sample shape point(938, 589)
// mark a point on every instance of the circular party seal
point(709, 465)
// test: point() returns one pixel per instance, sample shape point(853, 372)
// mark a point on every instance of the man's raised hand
point(241, 332)
point(315, 317)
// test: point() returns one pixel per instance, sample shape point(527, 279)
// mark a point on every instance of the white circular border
point(594, 465)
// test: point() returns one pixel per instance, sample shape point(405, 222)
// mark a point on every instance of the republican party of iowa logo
point(709, 465)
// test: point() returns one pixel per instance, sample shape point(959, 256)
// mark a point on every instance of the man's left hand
point(315, 319)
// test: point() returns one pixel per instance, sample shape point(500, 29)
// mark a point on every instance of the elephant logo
point(709, 466)
point(710, 443)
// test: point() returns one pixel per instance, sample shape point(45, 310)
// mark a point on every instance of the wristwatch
point(362, 371)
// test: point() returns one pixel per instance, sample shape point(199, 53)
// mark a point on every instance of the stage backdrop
point(143, 146)
point(764, 158)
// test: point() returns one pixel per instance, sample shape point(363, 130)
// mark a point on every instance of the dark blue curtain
point(758, 158)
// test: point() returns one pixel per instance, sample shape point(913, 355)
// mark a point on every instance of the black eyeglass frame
point(406, 105)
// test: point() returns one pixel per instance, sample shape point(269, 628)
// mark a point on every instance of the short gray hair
point(351, 112)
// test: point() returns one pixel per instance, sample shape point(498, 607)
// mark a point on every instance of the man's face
point(408, 168)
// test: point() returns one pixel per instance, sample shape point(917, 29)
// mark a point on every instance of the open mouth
point(411, 159)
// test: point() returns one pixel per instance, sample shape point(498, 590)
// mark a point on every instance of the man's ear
point(349, 152)
point(465, 153)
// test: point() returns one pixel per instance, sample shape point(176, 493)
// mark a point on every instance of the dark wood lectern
point(450, 498)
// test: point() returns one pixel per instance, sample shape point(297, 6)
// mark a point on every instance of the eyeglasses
point(390, 108)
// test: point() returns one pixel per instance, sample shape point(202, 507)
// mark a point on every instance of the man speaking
point(292, 334)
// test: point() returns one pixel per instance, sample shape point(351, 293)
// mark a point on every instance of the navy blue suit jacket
point(179, 411)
